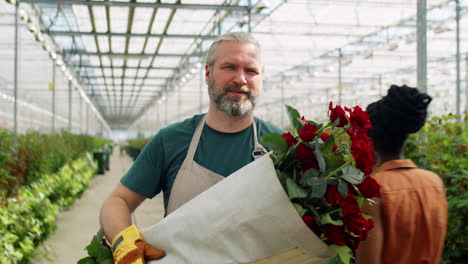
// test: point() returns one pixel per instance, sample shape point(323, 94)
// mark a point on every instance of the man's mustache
point(237, 88)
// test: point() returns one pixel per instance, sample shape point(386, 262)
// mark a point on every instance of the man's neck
point(222, 122)
point(382, 158)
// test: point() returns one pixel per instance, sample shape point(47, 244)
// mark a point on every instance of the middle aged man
point(186, 158)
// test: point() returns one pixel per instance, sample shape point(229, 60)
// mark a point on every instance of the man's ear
point(207, 73)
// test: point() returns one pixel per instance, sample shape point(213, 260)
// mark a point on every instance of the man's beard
point(234, 107)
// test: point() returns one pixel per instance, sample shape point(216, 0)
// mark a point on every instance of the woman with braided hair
point(411, 216)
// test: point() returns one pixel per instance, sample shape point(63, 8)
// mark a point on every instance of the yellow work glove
point(128, 247)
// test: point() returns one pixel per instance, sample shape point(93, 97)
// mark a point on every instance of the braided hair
point(401, 112)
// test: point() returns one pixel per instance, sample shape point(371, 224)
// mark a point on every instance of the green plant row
point(442, 147)
point(138, 142)
point(38, 154)
point(30, 217)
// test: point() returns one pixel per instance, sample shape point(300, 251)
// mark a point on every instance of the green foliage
point(139, 143)
point(442, 148)
point(29, 217)
point(98, 253)
point(38, 154)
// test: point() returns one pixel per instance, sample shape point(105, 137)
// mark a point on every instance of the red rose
point(336, 113)
point(369, 188)
point(325, 137)
point(290, 139)
point(306, 167)
point(332, 196)
point(308, 132)
point(350, 205)
point(335, 234)
point(362, 152)
point(359, 119)
point(309, 220)
point(303, 119)
point(356, 224)
point(305, 154)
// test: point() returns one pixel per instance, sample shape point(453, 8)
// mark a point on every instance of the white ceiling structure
point(138, 63)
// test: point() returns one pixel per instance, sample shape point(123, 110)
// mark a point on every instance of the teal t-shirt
point(159, 162)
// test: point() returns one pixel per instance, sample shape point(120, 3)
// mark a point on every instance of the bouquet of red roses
point(324, 169)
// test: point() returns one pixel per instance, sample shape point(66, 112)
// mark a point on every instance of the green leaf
point(275, 142)
point(87, 260)
point(294, 190)
point(281, 176)
point(334, 260)
point(326, 219)
point(352, 175)
point(328, 145)
point(107, 261)
point(294, 117)
point(319, 186)
point(306, 179)
point(319, 155)
point(360, 200)
point(344, 253)
point(300, 210)
point(97, 250)
point(333, 160)
point(342, 188)
point(94, 247)
point(367, 217)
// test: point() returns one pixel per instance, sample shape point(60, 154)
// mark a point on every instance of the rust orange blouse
point(414, 213)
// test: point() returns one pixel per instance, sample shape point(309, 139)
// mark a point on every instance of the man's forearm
point(115, 216)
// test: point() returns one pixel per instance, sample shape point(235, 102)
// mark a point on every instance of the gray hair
point(230, 36)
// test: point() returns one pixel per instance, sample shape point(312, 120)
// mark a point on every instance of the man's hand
point(128, 247)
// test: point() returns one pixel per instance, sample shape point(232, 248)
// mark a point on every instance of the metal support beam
point(457, 19)
point(421, 29)
point(340, 82)
point(115, 34)
point(15, 77)
point(144, 5)
point(81, 115)
point(130, 55)
point(127, 67)
point(69, 106)
point(126, 77)
point(53, 96)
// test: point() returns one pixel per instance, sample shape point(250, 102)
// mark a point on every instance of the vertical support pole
point(282, 102)
point(457, 18)
point(15, 77)
point(165, 112)
point(70, 106)
point(380, 85)
point(249, 15)
point(201, 90)
point(340, 84)
point(179, 102)
point(466, 83)
point(421, 30)
point(87, 119)
point(81, 115)
point(53, 96)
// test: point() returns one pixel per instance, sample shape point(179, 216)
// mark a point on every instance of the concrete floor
point(80, 222)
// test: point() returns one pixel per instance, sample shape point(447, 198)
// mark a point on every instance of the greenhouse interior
point(113, 72)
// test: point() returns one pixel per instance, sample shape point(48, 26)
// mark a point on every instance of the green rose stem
point(331, 212)
point(337, 170)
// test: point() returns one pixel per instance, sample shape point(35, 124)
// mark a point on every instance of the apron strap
point(259, 150)
point(196, 139)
